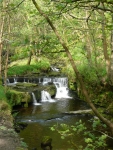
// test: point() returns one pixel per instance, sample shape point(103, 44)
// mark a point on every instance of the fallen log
point(79, 111)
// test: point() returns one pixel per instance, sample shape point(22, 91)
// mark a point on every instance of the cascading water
point(45, 96)
point(54, 69)
point(34, 99)
point(61, 84)
point(46, 80)
point(62, 87)
point(15, 80)
point(11, 83)
point(41, 116)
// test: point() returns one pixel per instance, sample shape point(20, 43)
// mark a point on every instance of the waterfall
point(62, 87)
point(39, 80)
point(11, 83)
point(61, 84)
point(34, 99)
point(24, 80)
point(45, 96)
point(15, 80)
point(54, 69)
point(46, 80)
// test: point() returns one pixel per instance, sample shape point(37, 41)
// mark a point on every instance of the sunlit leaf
point(62, 137)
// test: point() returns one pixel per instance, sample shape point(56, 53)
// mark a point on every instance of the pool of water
point(41, 117)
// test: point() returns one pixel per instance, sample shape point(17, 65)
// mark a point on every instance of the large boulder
point(16, 97)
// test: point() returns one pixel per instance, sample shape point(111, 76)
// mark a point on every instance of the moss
point(51, 89)
point(16, 97)
point(2, 93)
point(4, 106)
point(26, 84)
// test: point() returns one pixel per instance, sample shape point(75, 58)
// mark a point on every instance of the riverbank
point(9, 139)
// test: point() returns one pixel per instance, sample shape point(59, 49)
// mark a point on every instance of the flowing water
point(41, 117)
point(42, 114)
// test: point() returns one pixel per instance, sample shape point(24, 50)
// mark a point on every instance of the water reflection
point(41, 117)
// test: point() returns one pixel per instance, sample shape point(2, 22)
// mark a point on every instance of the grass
point(19, 67)
point(2, 93)
point(4, 106)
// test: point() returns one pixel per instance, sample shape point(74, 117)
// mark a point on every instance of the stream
point(42, 115)
point(45, 111)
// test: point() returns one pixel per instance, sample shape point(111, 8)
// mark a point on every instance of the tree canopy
point(50, 30)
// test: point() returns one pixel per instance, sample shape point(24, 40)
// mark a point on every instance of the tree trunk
point(1, 34)
point(29, 58)
point(7, 53)
point(0, 61)
point(88, 42)
point(83, 88)
point(111, 60)
point(104, 42)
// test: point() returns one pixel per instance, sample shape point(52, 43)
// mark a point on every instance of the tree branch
point(15, 6)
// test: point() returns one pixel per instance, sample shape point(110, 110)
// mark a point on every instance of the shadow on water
point(41, 117)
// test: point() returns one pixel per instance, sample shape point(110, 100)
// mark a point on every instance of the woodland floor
point(8, 142)
point(9, 139)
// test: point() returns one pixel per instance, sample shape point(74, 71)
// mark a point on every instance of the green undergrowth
point(2, 93)
point(91, 137)
point(4, 106)
point(20, 68)
point(17, 97)
point(6, 120)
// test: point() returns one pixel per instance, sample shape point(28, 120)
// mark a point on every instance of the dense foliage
point(84, 26)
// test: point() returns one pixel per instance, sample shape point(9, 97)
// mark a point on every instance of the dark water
point(41, 117)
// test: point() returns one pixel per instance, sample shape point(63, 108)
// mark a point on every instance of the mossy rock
point(50, 88)
point(26, 84)
point(16, 97)
point(46, 143)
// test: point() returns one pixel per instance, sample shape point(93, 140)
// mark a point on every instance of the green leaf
point(62, 137)
point(52, 129)
point(74, 129)
point(88, 140)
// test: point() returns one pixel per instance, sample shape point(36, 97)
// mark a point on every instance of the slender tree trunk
point(29, 58)
point(1, 34)
point(7, 53)
point(104, 41)
point(0, 61)
point(83, 88)
point(88, 38)
point(111, 60)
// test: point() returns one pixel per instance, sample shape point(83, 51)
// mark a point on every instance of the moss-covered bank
point(9, 139)
point(17, 98)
